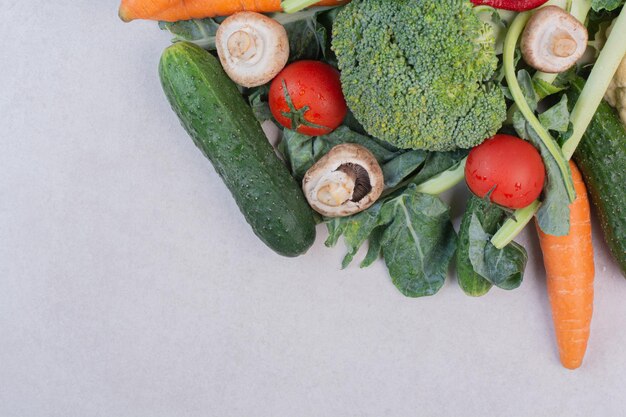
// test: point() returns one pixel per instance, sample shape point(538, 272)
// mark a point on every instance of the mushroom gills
point(349, 182)
point(362, 184)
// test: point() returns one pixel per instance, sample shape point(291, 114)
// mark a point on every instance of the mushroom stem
point(241, 45)
point(563, 45)
point(337, 188)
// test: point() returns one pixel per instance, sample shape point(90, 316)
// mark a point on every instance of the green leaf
point(299, 151)
point(545, 89)
point(199, 31)
point(307, 38)
point(438, 162)
point(608, 5)
point(528, 89)
point(471, 282)
point(303, 151)
point(357, 229)
point(336, 227)
point(374, 251)
point(402, 166)
point(556, 117)
point(553, 214)
point(418, 243)
point(501, 267)
point(257, 97)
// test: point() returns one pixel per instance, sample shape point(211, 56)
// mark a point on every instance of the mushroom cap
point(553, 40)
point(252, 48)
point(345, 181)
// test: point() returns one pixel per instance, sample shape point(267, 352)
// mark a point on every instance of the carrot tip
point(123, 14)
point(572, 365)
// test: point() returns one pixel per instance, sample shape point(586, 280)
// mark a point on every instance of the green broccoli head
point(416, 73)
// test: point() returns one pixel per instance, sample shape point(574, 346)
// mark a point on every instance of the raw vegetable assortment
point(385, 104)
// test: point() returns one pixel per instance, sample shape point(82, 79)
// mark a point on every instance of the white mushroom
point(345, 181)
point(252, 47)
point(553, 40)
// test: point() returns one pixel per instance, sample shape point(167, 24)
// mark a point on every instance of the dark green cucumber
point(601, 157)
point(223, 126)
point(489, 216)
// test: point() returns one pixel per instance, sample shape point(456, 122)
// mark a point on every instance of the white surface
point(131, 286)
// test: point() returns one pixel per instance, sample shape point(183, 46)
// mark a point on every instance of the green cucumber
point(601, 157)
point(471, 282)
point(223, 126)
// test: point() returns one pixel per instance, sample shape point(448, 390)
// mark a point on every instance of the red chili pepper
point(516, 5)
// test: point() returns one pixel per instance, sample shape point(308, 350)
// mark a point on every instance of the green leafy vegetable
point(303, 151)
point(403, 165)
point(609, 5)
point(418, 243)
point(307, 38)
point(199, 31)
point(479, 264)
point(413, 232)
point(556, 117)
point(355, 230)
point(545, 89)
point(257, 97)
point(374, 251)
point(501, 267)
point(438, 162)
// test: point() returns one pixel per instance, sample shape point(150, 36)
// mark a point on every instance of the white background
point(130, 284)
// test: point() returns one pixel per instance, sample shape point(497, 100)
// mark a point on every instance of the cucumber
point(223, 126)
point(470, 281)
point(601, 157)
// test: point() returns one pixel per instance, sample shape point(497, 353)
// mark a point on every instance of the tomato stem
point(297, 115)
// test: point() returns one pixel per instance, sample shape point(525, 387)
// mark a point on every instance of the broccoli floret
point(416, 73)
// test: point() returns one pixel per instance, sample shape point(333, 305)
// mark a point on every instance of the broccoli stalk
point(584, 110)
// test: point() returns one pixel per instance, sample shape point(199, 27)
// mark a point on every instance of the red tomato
point(306, 96)
point(509, 166)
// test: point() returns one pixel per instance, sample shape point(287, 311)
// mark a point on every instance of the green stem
point(436, 184)
point(512, 227)
point(598, 82)
point(292, 6)
point(444, 180)
point(516, 91)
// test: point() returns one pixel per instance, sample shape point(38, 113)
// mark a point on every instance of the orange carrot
point(174, 10)
point(570, 270)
